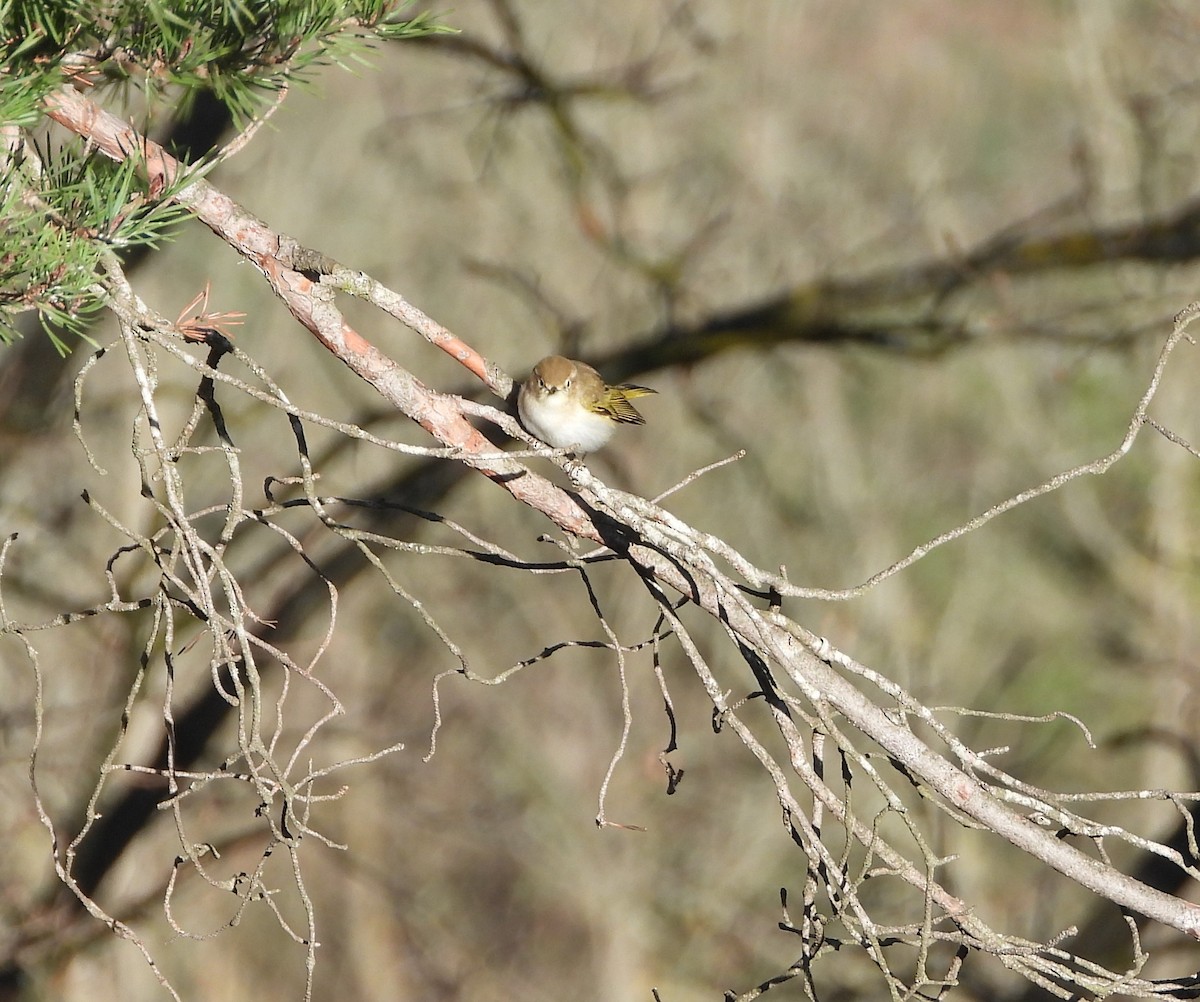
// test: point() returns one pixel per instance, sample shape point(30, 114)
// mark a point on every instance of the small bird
point(567, 404)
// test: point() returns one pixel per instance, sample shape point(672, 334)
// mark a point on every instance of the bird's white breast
point(563, 423)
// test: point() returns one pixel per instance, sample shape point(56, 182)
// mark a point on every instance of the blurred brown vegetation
point(642, 171)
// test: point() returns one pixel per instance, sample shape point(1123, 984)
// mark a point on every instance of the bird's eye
point(566, 383)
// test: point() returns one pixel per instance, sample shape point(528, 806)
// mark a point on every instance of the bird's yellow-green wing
point(616, 403)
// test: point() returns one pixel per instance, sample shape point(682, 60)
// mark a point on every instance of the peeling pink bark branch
point(287, 265)
point(283, 263)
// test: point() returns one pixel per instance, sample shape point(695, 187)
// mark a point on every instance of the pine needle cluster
point(62, 206)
